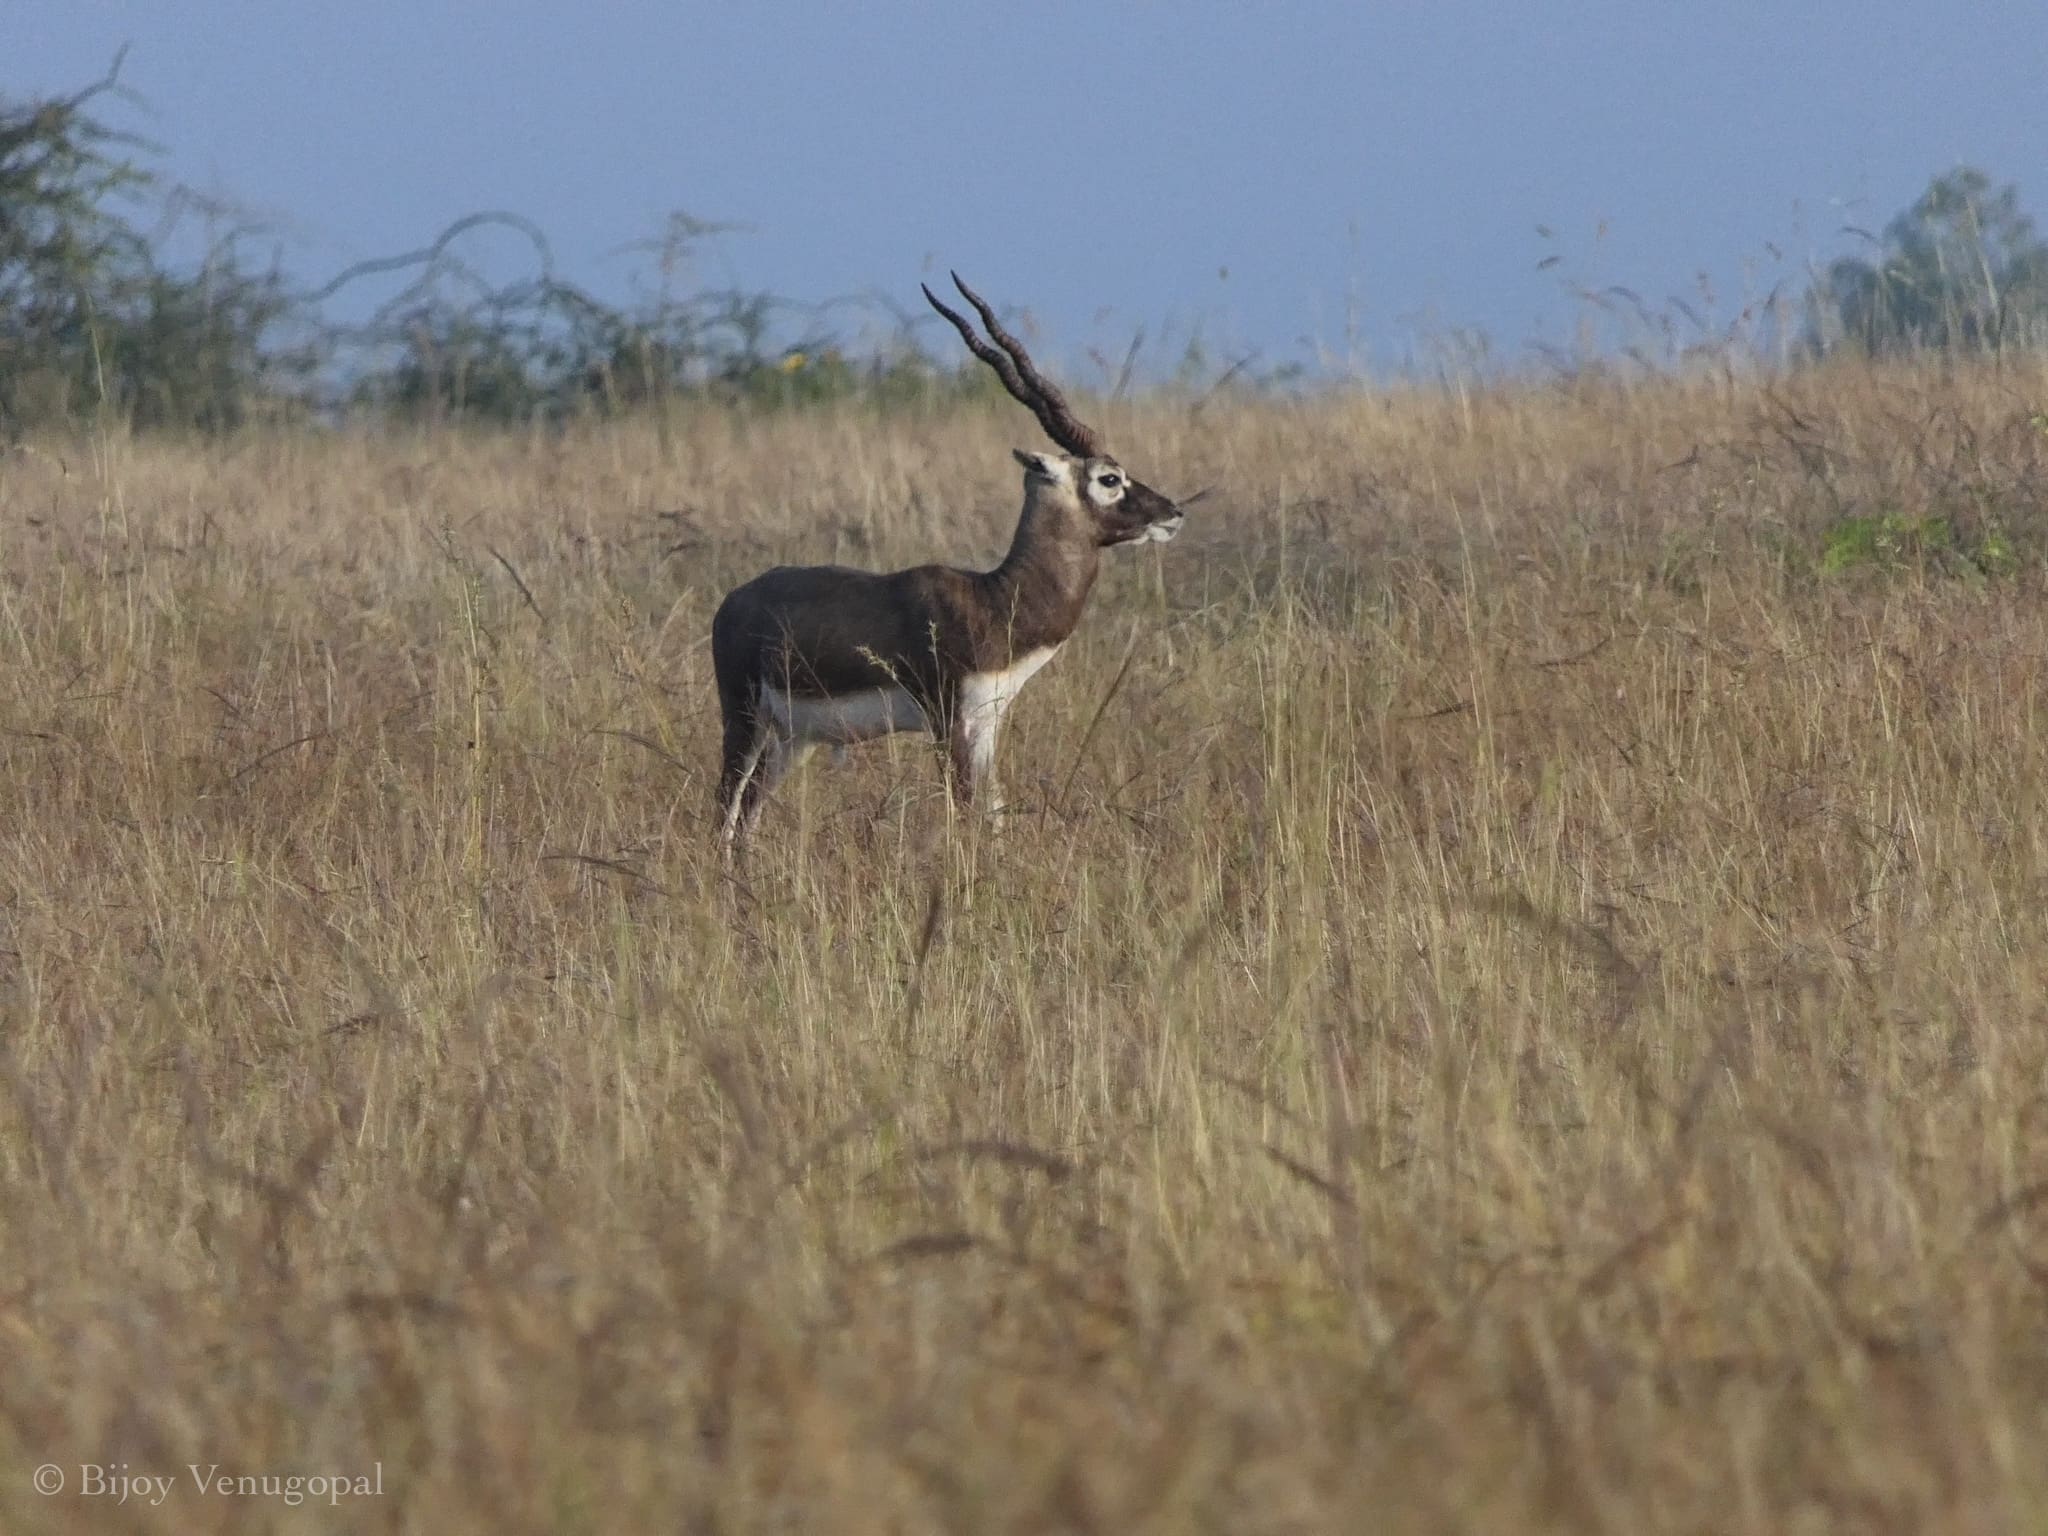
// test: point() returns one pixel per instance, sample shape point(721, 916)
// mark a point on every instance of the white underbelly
point(843, 720)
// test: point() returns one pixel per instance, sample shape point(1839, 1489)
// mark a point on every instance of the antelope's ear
point(1041, 466)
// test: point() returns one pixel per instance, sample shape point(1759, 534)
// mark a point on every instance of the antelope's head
point(1118, 508)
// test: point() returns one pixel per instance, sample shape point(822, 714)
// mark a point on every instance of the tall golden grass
point(1508, 999)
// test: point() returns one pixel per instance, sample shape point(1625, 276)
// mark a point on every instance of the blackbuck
point(825, 655)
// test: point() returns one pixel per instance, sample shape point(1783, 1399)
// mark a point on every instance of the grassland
point(1513, 996)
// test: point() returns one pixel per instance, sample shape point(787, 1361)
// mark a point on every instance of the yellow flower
point(794, 362)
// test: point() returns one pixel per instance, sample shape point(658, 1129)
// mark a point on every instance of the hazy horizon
point(1307, 182)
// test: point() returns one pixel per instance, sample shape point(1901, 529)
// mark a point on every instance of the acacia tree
point(61, 245)
point(92, 321)
point(1962, 270)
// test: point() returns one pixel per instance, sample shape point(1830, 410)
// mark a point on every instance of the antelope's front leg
point(962, 766)
point(971, 753)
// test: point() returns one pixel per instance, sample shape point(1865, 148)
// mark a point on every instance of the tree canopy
point(92, 319)
point(1962, 269)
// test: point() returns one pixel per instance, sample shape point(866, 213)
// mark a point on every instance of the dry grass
point(1526, 1011)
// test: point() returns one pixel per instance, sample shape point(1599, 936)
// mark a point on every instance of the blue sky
point(1310, 180)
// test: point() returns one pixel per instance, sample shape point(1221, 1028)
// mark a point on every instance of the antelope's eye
point(1109, 482)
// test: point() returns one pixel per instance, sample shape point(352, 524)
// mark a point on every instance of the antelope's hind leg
point(758, 757)
point(747, 741)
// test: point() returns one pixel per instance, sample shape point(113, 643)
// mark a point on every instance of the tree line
point(98, 321)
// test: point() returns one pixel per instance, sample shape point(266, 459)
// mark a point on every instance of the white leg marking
point(739, 792)
point(985, 697)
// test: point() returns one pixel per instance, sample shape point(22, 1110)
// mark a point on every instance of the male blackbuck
point(821, 654)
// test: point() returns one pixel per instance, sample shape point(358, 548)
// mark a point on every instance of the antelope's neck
point(1042, 586)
